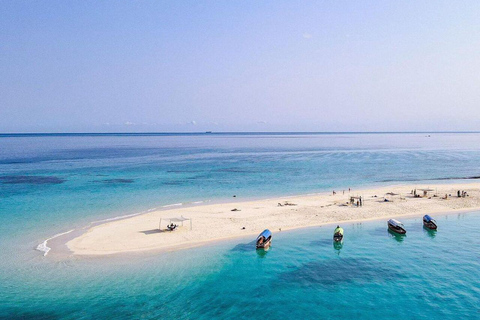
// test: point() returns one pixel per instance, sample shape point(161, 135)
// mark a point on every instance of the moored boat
point(429, 222)
point(396, 226)
point(264, 239)
point(338, 234)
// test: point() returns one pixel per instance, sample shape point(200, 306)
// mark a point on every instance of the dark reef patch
point(31, 180)
point(432, 179)
point(117, 181)
point(335, 272)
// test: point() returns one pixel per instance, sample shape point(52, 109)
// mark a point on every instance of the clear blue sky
point(239, 65)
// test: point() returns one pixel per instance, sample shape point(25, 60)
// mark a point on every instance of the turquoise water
point(374, 275)
point(55, 183)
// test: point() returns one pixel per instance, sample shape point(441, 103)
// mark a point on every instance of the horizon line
point(10, 134)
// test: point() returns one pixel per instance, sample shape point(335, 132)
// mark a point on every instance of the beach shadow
point(153, 231)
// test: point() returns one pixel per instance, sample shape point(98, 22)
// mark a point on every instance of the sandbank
point(213, 222)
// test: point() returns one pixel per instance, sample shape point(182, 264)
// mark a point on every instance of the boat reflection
point(398, 237)
point(262, 253)
point(337, 246)
point(429, 232)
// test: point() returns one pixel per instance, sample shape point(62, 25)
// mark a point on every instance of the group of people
point(416, 195)
point(359, 201)
point(334, 193)
point(462, 194)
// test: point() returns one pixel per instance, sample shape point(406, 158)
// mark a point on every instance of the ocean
point(51, 184)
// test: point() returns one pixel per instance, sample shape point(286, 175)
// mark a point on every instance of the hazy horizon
point(239, 67)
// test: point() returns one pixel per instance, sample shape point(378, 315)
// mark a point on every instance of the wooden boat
point(264, 239)
point(429, 222)
point(396, 226)
point(338, 234)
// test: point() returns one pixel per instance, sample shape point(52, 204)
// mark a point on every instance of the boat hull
point(396, 229)
point(430, 225)
point(264, 245)
point(337, 237)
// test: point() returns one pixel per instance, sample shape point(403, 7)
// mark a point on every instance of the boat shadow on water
point(320, 243)
point(244, 247)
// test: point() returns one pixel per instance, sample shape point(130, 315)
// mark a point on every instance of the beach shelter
point(175, 220)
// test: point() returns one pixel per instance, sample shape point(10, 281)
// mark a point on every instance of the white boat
point(396, 226)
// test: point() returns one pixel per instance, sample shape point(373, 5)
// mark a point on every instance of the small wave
point(43, 246)
point(119, 217)
point(172, 205)
point(132, 214)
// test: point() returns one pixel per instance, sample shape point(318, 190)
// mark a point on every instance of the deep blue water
point(54, 183)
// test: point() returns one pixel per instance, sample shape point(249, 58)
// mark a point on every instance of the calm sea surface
point(52, 184)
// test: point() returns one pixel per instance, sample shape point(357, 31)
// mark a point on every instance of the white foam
point(119, 217)
point(172, 205)
point(43, 246)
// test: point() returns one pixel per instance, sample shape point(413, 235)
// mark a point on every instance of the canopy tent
point(265, 233)
point(395, 223)
point(427, 218)
point(175, 219)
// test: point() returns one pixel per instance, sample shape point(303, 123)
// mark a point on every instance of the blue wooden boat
point(429, 222)
point(264, 239)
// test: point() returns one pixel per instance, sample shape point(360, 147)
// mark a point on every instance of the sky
point(194, 66)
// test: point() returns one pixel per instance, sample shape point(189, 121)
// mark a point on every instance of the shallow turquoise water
point(51, 184)
point(374, 275)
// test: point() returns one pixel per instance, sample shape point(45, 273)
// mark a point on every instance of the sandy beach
point(237, 219)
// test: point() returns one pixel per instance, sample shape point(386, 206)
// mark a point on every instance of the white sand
point(217, 221)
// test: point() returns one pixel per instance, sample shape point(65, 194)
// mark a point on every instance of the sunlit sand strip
point(237, 219)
